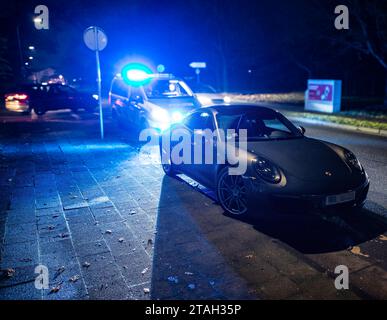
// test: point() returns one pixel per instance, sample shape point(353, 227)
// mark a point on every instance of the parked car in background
point(207, 95)
point(45, 97)
point(158, 104)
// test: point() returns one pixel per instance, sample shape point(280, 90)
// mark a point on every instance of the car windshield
point(167, 89)
point(260, 125)
point(202, 88)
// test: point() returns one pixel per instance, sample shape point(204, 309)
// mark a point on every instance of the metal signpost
point(96, 40)
point(197, 66)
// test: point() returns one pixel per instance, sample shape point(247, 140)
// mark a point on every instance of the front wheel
point(167, 165)
point(232, 193)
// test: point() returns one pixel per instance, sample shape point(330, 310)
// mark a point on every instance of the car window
point(228, 121)
point(165, 89)
point(202, 88)
point(52, 89)
point(261, 125)
point(200, 121)
point(275, 124)
point(135, 92)
point(120, 88)
point(66, 89)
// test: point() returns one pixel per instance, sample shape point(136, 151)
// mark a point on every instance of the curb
point(372, 131)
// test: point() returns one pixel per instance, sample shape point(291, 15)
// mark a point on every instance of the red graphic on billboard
point(320, 92)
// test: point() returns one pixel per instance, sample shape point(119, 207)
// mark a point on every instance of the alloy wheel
point(232, 193)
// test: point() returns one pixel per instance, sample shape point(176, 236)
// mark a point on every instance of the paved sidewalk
point(108, 224)
point(88, 209)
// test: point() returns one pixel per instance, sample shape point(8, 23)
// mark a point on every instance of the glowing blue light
point(160, 68)
point(136, 74)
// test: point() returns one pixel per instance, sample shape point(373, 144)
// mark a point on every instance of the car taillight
point(16, 96)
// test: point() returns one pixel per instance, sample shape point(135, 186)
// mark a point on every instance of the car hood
point(183, 104)
point(304, 158)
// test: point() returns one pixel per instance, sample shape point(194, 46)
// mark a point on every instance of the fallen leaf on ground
point(132, 212)
point(59, 271)
point(63, 235)
point(75, 278)
point(249, 256)
point(150, 242)
point(7, 273)
point(146, 290)
point(55, 289)
point(191, 286)
point(144, 271)
point(173, 279)
point(188, 273)
point(86, 264)
point(108, 231)
point(383, 237)
point(121, 240)
point(356, 250)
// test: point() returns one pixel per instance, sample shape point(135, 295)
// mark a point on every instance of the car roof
point(236, 108)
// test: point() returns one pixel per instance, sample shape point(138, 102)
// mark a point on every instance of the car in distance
point(207, 95)
point(157, 104)
point(284, 167)
point(45, 97)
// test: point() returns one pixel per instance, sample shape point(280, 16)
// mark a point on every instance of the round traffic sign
point(95, 38)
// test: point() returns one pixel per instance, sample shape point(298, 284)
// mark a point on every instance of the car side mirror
point(301, 129)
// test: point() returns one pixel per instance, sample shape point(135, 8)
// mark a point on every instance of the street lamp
point(31, 48)
point(31, 58)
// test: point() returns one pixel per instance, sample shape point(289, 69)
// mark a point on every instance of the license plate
point(340, 198)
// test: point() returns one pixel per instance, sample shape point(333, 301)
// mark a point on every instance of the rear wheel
point(232, 193)
point(39, 111)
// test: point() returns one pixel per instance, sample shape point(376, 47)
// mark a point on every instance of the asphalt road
point(196, 252)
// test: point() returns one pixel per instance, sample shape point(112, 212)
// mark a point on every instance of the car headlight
point(204, 100)
point(267, 170)
point(352, 161)
point(177, 116)
point(160, 115)
point(227, 99)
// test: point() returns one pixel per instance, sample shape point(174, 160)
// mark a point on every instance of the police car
point(150, 100)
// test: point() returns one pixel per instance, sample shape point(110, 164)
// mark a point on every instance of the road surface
point(109, 225)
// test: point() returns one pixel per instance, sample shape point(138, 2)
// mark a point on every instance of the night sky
point(252, 46)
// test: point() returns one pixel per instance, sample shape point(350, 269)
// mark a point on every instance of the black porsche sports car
point(284, 167)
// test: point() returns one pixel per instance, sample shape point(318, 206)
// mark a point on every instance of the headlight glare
point(267, 170)
point(160, 115)
point(177, 116)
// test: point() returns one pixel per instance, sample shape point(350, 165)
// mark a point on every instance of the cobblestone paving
point(107, 223)
point(88, 211)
